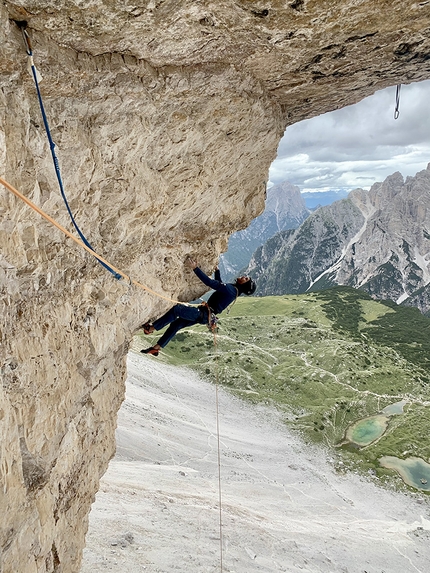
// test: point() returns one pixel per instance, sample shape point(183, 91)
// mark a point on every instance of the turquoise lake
point(413, 471)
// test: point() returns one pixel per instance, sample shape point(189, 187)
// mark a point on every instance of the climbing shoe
point(148, 328)
point(152, 350)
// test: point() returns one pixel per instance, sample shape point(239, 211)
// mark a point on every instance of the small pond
point(368, 430)
point(413, 471)
point(396, 408)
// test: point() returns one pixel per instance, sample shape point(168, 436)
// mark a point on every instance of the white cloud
point(358, 145)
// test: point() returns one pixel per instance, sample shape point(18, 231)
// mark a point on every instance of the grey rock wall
point(166, 116)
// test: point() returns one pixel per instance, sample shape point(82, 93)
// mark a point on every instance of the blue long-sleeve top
point(224, 294)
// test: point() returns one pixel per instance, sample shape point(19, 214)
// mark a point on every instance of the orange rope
point(12, 189)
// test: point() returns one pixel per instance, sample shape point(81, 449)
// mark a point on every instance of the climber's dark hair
point(247, 288)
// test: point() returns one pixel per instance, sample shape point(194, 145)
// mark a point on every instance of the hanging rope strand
point(29, 51)
point(219, 455)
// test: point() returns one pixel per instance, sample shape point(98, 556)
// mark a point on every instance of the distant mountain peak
point(285, 209)
point(377, 240)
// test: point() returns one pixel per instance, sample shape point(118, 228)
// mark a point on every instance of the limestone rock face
point(166, 116)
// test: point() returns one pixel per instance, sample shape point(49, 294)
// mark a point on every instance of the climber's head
point(245, 285)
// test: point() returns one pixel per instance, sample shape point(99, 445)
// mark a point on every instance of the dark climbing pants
point(179, 316)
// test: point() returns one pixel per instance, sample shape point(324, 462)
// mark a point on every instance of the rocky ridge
point(160, 111)
point(378, 241)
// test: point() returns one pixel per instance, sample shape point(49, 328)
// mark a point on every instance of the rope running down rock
point(122, 275)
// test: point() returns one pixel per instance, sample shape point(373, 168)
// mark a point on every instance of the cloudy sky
point(358, 145)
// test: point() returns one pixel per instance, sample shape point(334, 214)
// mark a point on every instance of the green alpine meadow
point(331, 362)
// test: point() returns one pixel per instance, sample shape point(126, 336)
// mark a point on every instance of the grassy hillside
point(326, 360)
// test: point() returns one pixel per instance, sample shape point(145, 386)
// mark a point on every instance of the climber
point(181, 316)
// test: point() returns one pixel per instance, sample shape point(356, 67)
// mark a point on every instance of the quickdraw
point(397, 108)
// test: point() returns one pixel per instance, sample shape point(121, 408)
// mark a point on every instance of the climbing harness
point(212, 318)
point(396, 109)
point(29, 50)
point(212, 323)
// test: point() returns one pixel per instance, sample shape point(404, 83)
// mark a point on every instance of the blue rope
point(54, 156)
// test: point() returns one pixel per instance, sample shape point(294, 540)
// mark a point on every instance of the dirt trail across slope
point(284, 507)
